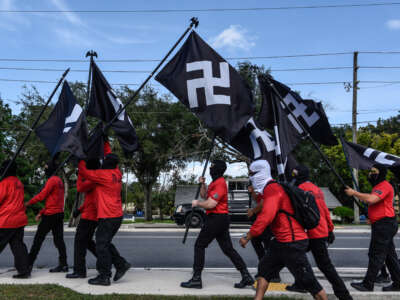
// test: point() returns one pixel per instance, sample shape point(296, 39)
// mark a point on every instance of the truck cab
point(238, 203)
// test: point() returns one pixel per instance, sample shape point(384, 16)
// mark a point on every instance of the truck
point(239, 201)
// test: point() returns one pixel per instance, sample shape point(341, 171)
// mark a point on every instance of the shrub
point(345, 213)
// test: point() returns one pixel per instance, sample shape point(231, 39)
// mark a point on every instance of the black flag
point(255, 143)
point(104, 104)
point(310, 113)
point(65, 129)
point(212, 89)
point(363, 158)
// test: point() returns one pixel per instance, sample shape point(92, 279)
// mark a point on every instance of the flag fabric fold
point(66, 128)
point(211, 88)
point(363, 158)
point(310, 113)
point(104, 104)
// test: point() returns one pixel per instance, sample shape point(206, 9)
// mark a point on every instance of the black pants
point(293, 256)
point(261, 243)
point(382, 250)
point(83, 242)
point(107, 254)
point(320, 252)
point(55, 224)
point(216, 227)
point(15, 238)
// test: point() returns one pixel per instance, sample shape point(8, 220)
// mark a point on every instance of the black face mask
point(111, 162)
point(50, 170)
point(303, 175)
point(217, 169)
point(375, 179)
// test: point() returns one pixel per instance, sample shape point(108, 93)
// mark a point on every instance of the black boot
point(22, 275)
point(100, 280)
point(194, 283)
point(121, 271)
point(75, 275)
point(59, 269)
point(394, 287)
point(246, 280)
point(360, 286)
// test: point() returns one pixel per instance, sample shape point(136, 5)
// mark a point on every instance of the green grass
point(55, 292)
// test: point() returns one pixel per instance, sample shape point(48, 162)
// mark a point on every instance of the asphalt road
point(154, 249)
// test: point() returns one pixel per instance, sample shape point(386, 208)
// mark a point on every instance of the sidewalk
point(166, 282)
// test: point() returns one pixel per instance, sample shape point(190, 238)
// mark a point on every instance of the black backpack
point(306, 210)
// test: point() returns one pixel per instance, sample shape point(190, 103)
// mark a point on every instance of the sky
point(257, 33)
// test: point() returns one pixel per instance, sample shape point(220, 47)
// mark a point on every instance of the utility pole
point(354, 127)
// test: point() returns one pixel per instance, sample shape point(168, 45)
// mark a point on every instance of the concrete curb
point(165, 281)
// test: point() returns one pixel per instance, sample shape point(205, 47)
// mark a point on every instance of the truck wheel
point(196, 222)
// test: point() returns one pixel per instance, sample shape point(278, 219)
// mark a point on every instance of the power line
point(351, 5)
point(129, 60)
point(147, 71)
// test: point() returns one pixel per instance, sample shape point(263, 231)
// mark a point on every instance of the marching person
point(291, 241)
point(108, 182)
point(51, 218)
point(320, 236)
point(216, 226)
point(87, 223)
point(383, 229)
point(260, 243)
point(13, 219)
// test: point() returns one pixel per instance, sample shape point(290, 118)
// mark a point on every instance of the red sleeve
point(381, 192)
point(107, 148)
point(96, 176)
point(216, 192)
point(267, 214)
point(83, 186)
point(42, 211)
point(82, 206)
point(48, 188)
point(327, 216)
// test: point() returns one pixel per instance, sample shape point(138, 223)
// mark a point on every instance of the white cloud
point(233, 37)
point(72, 38)
point(10, 21)
point(393, 24)
point(70, 16)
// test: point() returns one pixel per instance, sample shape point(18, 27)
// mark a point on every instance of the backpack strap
point(288, 215)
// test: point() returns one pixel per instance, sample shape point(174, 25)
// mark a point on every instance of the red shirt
point(88, 208)
point(384, 208)
point(108, 190)
point(276, 199)
point(218, 191)
point(12, 208)
point(53, 192)
point(325, 222)
point(107, 148)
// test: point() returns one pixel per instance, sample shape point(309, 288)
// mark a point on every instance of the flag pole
point(307, 135)
point(278, 148)
point(199, 186)
point(35, 123)
point(346, 155)
point(194, 22)
point(92, 54)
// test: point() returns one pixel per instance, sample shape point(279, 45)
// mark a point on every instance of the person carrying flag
point(216, 226)
point(108, 182)
point(13, 219)
point(88, 221)
point(320, 236)
point(383, 229)
point(52, 218)
point(288, 249)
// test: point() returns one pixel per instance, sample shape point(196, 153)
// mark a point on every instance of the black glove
point(331, 237)
point(76, 213)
